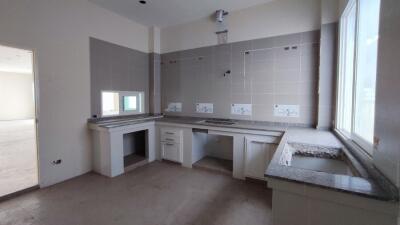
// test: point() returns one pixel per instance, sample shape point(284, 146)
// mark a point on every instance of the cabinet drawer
point(171, 135)
point(171, 151)
point(264, 139)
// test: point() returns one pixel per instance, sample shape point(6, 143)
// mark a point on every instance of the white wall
point(16, 96)
point(271, 19)
point(58, 32)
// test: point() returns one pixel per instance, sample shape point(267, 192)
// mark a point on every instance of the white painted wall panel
point(58, 32)
point(267, 20)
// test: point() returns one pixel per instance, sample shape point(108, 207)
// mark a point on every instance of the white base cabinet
point(259, 151)
point(108, 147)
point(171, 144)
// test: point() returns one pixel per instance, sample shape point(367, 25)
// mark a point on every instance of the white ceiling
point(163, 13)
point(15, 60)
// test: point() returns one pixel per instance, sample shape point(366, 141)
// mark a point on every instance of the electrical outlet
point(204, 107)
point(286, 110)
point(241, 109)
point(174, 107)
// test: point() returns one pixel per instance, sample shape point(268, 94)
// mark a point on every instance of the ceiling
point(15, 60)
point(163, 13)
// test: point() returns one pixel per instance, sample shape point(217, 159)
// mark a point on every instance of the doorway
point(18, 128)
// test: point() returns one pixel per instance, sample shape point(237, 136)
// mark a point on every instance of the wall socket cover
point(174, 107)
point(241, 109)
point(204, 107)
point(286, 110)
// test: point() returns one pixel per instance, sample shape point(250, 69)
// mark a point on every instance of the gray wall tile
point(155, 83)
point(267, 75)
point(263, 43)
point(327, 75)
point(287, 40)
point(311, 37)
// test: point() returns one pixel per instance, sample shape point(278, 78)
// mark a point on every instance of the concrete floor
point(18, 156)
point(215, 164)
point(157, 193)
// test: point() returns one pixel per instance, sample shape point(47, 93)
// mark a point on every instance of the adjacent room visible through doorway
point(18, 147)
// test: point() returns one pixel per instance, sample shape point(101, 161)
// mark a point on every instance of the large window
point(359, 29)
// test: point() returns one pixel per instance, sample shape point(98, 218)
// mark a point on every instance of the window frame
point(140, 103)
point(351, 136)
point(342, 56)
point(140, 100)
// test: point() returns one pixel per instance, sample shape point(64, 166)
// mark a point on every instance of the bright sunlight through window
point(110, 103)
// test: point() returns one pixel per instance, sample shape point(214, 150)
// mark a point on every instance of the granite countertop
point(239, 124)
point(119, 121)
point(114, 122)
point(364, 185)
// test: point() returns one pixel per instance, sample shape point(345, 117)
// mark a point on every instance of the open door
point(18, 128)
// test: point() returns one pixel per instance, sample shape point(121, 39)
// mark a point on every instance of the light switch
point(174, 107)
point(205, 107)
point(241, 109)
point(287, 110)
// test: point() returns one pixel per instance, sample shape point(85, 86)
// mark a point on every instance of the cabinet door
point(171, 151)
point(258, 153)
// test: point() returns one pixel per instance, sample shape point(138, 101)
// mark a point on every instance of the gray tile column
point(155, 82)
point(327, 76)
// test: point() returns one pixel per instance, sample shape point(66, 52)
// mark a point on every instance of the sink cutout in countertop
point(218, 121)
point(317, 158)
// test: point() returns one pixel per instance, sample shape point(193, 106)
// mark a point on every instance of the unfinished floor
point(18, 158)
point(157, 193)
point(215, 164)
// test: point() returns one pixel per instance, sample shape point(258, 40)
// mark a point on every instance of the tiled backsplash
point(264, 72)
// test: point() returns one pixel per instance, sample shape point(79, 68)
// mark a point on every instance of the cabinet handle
point(169, 133)
point(169, 139)
point(264, 142)
point(169, 144)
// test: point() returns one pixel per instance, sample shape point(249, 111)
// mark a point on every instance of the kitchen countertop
point(239, 124)
point(119, 121)
point(362, 186)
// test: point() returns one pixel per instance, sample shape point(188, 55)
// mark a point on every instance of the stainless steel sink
point(218, 121)
point(317, 158)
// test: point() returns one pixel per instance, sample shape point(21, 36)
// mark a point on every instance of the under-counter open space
point(213, 152)
point(135, 148)
point(224, 166)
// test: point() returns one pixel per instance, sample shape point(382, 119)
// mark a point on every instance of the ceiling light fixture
point(142, 2)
